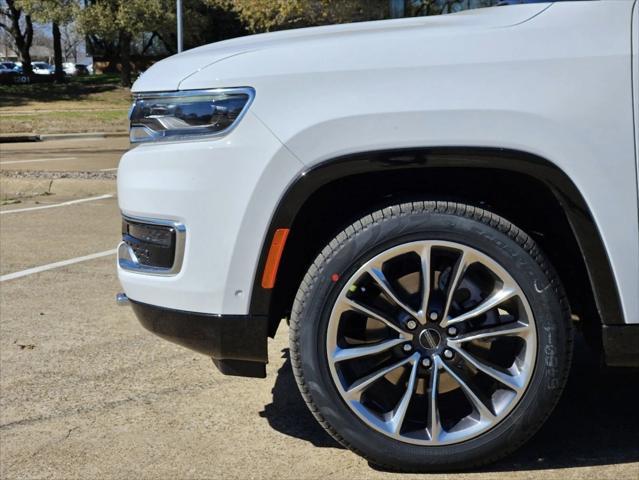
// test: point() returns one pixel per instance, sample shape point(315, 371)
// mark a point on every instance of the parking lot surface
point(86, 392)
point(87, 154)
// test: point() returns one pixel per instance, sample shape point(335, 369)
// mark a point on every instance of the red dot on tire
point(335, 277)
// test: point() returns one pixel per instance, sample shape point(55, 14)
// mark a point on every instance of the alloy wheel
point(431, 343)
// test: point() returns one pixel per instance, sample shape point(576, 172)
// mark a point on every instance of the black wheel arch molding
point(565, 192)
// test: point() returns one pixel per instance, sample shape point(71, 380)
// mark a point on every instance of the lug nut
point(411, 324)
point(448, 354)
point(452, 331)
point(407, 347)
point(426, 362)
point(433, 315)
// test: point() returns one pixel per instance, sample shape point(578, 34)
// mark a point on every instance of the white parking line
point(51, 266)
point(11, 162)
point(54, 205)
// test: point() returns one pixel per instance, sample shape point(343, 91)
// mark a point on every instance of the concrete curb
point(20, 137)
point(11, 188)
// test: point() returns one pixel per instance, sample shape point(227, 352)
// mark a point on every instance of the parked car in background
point(6, 74)
point(11, 75)
point(42, 68)
point(434, 203)
point(69, 68)
point(12, 66)
point(81, 69)
point(75, 69)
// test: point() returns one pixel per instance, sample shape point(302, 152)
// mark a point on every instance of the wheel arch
point(534, 174)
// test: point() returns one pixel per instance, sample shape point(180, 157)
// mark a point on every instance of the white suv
point(432, 203)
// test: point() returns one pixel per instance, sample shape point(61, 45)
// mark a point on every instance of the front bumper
point(214, 199)
point(236, 343)
point(222, 192)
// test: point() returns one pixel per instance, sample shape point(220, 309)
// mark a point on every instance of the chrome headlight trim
point(199, 132)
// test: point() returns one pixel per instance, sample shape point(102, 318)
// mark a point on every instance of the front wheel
point(430, 336)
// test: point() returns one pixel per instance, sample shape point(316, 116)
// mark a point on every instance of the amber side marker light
point(274, 257)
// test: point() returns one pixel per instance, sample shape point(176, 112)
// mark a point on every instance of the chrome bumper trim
point(128, 261)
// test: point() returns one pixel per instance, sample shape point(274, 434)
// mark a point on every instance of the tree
point(205, 22)
point(117, 22)
point(439, 7)
point(268, 15)
point(71, 41)
point(19, 26)
point(58, 13)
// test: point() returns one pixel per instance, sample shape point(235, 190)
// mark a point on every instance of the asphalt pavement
point(86, 392)
point(86, 154)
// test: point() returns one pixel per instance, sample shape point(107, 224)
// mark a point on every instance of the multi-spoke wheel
point(431, 342)
point(434, 336)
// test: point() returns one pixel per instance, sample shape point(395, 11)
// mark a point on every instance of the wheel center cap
point(430, 338)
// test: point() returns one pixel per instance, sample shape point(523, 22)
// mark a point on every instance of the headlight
point(187, 114)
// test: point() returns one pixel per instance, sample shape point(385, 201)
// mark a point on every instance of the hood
point(168, 74)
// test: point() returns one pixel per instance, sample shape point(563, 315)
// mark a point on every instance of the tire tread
point(406, 209)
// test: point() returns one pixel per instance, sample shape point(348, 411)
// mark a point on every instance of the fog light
point(153, 245)
point(155, 234)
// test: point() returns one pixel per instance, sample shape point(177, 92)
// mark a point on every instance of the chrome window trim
point(128, 261)
point(158, 137)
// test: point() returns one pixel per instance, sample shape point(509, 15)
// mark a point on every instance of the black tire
point(395, 225)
